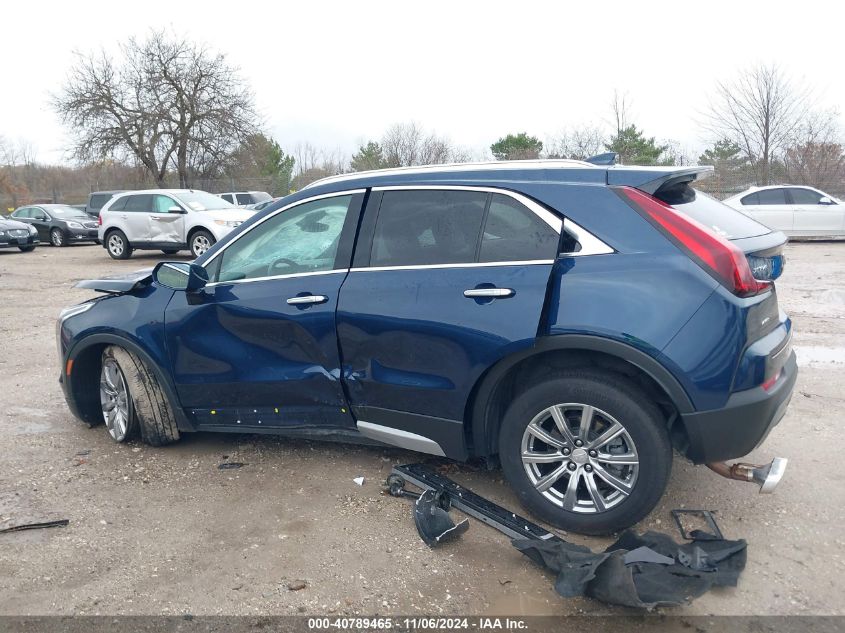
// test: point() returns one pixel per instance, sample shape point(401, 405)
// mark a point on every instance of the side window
point(22, 213)
point(244, 198)
point(162, 204)
point(427, 227)
point(804, 196)
point(771, 196)
point(227, 197)
point(38, 213)
point(512, 232)
point(140, 204)
point(119, 204)
point(750, 199)
point(301, 239)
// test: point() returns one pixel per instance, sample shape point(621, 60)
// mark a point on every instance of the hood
point(235, 215)
point(6, 223)
point(118, 283)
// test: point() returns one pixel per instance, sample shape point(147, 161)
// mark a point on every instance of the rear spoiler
point(650, 179)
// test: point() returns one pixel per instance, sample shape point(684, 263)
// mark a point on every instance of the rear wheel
point(201, 241)
point(118, 246)
point(129, 387)
point(586, 451)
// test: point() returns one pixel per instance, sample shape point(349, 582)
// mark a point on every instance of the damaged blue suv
point(575, 321)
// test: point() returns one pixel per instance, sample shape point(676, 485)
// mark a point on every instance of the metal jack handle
point(767, 476)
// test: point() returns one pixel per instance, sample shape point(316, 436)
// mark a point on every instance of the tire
point(596, 506)
point(201, 241)
point(117, 245)
point(115, 398)
point(26, 249)
point(57, 238)
point(170, 251)
point(151, 410)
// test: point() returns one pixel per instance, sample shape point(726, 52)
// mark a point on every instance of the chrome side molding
point(402, 439)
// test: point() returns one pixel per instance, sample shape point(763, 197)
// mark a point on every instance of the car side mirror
point(180, 276)
point(177, 209)
point(826, 200)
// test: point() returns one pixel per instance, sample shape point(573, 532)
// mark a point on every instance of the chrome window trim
point(527, 262)
point(590, 244)
point(272, 215)
point(333, 271)
point(544, 214)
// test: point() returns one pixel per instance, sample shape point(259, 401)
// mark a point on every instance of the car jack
point(443, 488)
point(767, 476)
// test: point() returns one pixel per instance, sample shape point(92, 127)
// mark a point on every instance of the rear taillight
point(99, 220)
point(715, 254)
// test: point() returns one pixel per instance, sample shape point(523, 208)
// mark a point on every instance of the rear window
point(97, 201)
point(711, 213)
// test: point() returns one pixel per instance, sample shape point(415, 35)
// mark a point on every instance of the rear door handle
point(307, 299)
point(156, 217)
point(495, 293)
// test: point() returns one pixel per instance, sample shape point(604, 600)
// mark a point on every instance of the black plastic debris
point(230, 465)
point(8, 526)
point(432, 519)
point(641, 583)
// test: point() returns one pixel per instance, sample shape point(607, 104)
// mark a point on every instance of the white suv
point(170, 220)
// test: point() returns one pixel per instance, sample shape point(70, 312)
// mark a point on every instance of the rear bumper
point(743, 423)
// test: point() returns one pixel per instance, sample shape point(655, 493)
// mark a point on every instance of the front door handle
point(156, 217)
point(307, 299)
point(493, 293)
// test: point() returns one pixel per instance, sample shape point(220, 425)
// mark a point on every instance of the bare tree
point(577, 143)
point(407, 144)
point(816, 156)
point(759, 111)
point(620, 111)
point(165, 102)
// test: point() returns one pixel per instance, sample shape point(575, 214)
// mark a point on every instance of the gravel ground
point(165, 531)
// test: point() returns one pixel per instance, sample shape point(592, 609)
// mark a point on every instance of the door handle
point(155, 217)
point(307, 299)
point(494, 293)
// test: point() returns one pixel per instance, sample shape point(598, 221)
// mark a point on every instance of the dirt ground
point(165, 531)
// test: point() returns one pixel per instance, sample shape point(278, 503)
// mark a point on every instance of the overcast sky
point(337, 73)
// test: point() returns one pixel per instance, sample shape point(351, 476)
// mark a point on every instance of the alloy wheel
point(57, 238)
point(114, 400)
point(116, 245)
point(200, 245)
point(579, 458)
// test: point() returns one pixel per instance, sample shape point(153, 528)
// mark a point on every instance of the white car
point(245, 198)
point(170, 220)
point(796, 210)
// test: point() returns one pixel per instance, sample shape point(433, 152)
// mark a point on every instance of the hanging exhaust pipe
point(767, 476)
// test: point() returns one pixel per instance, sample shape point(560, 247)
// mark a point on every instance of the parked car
point(98, 199)
point(170, 220)
point(259, 206)
point(14, 234)
point(58, 224)
point(575, 321)
point(798, 211)
point(245, 198)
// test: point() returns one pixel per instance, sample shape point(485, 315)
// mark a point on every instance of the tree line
point(169, 112)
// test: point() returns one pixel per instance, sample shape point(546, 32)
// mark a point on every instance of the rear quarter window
point(718, 217)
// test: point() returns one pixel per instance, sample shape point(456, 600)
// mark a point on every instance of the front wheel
point(587, 451)
point(132, 398)
point(57, 237)
point(201, 241)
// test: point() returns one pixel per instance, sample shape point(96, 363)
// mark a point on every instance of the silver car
point(798, 211)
